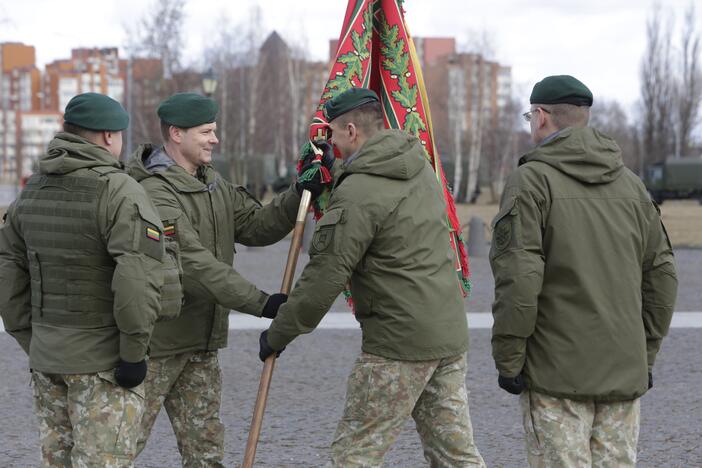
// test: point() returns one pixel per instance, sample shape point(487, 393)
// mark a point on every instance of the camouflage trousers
point(383, 393)
point(189, 387)
point(562, 432)
point(87, 420)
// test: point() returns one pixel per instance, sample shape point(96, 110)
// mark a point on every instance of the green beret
point(96, 112)
point(347, 101)
point(561, 89)
point(186, 110)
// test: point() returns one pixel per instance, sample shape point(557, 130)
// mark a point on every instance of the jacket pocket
point(109, 376)
point(35, 279)
point(172, 289)
point(532, 438)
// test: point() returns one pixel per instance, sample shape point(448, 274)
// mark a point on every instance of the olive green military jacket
point(384, 231)
point(81, 254)
point(585, 281)
point(206, 215)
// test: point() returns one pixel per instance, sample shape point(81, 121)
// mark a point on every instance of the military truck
point(675, 178)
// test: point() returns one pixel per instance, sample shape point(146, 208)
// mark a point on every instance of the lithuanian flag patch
point(169, 230)
point(153, 234)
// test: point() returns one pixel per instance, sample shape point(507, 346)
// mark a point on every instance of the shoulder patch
point(153, 234)
point(151, 239)
point(323, 238)
point(503, 234)
point(169, 229)
point(503, 227)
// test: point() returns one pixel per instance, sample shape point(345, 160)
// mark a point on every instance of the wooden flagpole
point(267, 373)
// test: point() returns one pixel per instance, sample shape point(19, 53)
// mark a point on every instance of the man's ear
point(543, 116)
point(352, 130)
point(107, 138)
point(175, 133)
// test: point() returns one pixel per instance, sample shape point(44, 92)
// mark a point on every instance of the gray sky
point(598, 41)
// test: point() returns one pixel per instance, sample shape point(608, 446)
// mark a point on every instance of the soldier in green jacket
point(384, 233)
point(81, 254)
point(585, 286)
point(205, 215)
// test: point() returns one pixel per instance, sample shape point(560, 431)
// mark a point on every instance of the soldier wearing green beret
point(81, 273)
point(384, 234)
point(205, 215)
point(585, 286)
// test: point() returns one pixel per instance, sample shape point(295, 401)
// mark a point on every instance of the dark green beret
point(186, 110)
point(561, 89)
point(347, 101)
point(96, 112)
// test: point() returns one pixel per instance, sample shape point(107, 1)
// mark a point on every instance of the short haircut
point(80, 131)
point(368, 118)
point(165, 131)
point(567, 115)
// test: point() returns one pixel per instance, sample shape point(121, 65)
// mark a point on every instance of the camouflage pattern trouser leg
point(563, 433)
point(87, 420)
point(189, 386)
point(382, 393)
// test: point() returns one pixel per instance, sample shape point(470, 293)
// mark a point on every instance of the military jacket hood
point(67, 153)
point(582, 153)
point(149, 160)
point(389, 153)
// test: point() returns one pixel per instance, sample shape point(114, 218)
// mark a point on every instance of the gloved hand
point(328, 157)
point(513, 385)
point(270, 310)
point(650, 380)
point(130, 374)
point(265, 349)
point(312, 176)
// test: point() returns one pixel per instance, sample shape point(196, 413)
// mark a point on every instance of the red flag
point(376, 51)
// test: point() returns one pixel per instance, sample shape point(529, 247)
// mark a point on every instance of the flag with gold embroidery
point(376, 51)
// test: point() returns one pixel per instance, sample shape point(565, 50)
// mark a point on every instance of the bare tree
point(502, 146)
point(657, 91)
point(159, 34)
point(610, 118)
point(479, 48)
point(234, 57)
point(671, 87)
point(689, 85)
point(154, 46)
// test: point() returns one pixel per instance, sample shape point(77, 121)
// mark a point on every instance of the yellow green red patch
point(153, 234)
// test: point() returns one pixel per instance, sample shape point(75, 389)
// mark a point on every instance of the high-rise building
point(96, 70)
point(19, 92)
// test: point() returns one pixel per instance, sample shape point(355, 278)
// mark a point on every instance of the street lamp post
point(209, 82)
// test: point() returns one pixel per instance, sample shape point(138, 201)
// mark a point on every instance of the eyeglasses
point(527, 115)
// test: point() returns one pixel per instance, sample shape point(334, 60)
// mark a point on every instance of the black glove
point(513, 385)
point(265, 349)
point(328, 157)
point(315, 184)
point(650, 380)
point(130, 374)
point(270, 310)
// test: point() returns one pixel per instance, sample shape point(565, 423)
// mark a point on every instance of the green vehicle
point(675, 179)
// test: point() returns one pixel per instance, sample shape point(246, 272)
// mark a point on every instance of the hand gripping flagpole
point(267, 373)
